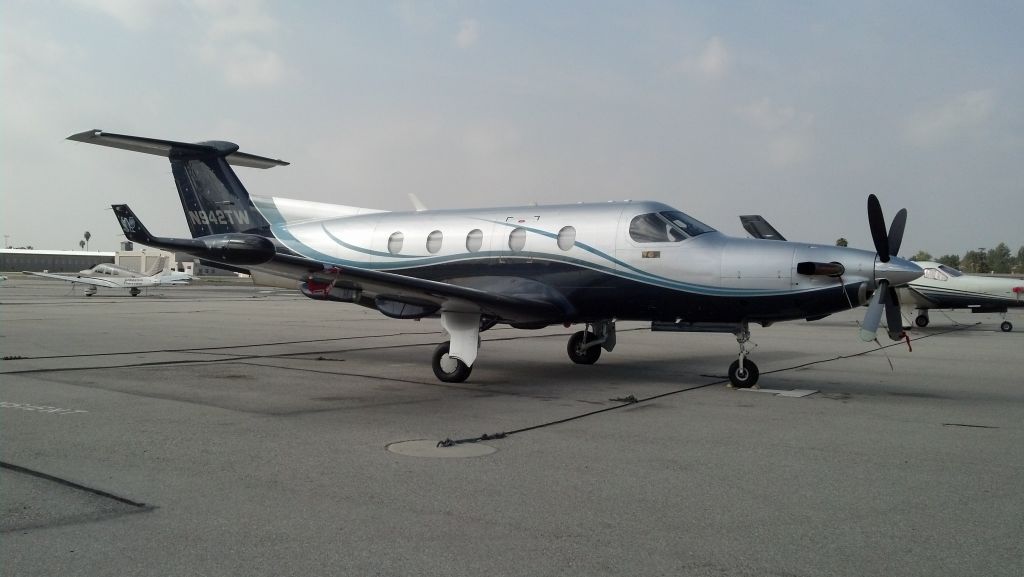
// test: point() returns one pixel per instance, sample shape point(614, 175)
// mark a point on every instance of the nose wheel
point(1006, 327)
point(743, 373)
point(745, 376)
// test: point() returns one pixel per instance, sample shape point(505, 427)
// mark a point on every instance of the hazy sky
point(793, 110)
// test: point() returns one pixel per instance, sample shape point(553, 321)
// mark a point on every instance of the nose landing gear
point(743, 373)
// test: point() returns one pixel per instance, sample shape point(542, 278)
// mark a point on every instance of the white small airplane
point(113, 276)
point(944, 287)
point(528, 267)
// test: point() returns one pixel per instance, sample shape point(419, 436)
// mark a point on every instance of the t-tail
point(212, 196)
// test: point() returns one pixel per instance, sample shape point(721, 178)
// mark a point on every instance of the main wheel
point(446, 367)
point(743, 378)
point(578, 354)
point(921, 321)
point(134, 292)
point(1006, 327)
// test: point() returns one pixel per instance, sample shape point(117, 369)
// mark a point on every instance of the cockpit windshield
point(667, 226)
point(950, 270)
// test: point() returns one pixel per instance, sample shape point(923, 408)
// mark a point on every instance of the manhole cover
point(429, 448)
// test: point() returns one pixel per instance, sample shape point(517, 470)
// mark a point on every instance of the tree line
point(999, 260)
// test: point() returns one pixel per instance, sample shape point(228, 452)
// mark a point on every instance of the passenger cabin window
point(566, 237)
point(395, 242)
point(434, 242)
point(668, 226)
point(517, 239)
point(474, 240)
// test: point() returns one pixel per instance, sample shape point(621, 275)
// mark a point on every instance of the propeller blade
point(896, 231)
point(877, 223)
point(893, 318)
point(874, 315)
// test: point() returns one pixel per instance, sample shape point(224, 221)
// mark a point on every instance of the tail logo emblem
point(128, 223)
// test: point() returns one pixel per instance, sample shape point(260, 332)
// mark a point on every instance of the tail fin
point(158, 266)
point(133, 228)
point(214, 200)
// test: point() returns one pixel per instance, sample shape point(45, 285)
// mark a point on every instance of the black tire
point(134, 292)
point(746, 378)
point(921, 321)
point(1006, 327)
point(446, 368)
point(583, 357)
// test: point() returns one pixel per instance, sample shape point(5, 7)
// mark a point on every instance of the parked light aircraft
point(944, 287)
point(528, 267)
point(113, 276)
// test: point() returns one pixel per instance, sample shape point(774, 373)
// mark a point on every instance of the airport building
point(137, 260)
point(19, 259)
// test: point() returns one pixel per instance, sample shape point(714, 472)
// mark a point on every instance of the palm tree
point(87, 235)
point(81, 244)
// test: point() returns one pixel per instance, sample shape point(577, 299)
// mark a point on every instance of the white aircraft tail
point(158, 267)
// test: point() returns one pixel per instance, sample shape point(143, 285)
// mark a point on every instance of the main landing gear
point(134, 292)
point(453, 360)
point(1006, 326)
point(922, 318)
point(447, 368)
point(585, 346)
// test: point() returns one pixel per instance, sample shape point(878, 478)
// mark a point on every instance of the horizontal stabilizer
point(172, 149)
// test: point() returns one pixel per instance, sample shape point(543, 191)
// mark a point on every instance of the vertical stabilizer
point(158, 266)
point(212, 196)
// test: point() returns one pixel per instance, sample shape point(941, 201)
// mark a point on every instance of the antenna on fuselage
point(417, 203)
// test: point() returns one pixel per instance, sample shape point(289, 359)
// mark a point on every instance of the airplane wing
point(516, 300)
point(77, 279)
point(520, 301)
point(758, 227)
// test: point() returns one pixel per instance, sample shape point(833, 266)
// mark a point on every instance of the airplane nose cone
point(897, 271)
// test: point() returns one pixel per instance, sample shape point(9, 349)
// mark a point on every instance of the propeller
point(887, 245)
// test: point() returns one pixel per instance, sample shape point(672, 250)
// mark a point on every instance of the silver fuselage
point(586, 255)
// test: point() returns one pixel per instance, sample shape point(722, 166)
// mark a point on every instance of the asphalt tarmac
point(219, 429)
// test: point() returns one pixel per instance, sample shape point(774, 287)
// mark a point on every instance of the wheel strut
point(743, 373)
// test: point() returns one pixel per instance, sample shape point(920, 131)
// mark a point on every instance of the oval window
point(474, 240)
point(395, 242)
point(566, 237)
point(517, 239)
point(434, 241)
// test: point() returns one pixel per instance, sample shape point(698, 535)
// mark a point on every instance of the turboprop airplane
point(528, 267)
point(944, 287)
point(113, 276)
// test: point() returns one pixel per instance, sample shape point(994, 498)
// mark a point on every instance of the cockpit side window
point(935, 274)
point(686, 223)
point(651, 228)
point(668, 226)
